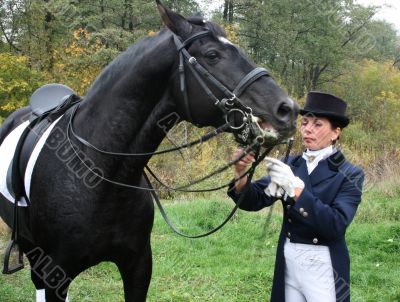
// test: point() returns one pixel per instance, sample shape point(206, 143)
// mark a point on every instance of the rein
point(125, 185)
point(250, 174)
point(84, 142)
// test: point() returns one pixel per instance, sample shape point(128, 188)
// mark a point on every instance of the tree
point(396, 59)
point(10, 22)
point(228, 11)
point(17, 82)
point(305, 43)
point(372, 90)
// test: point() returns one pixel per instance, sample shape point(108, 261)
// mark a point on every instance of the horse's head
point(216, 83)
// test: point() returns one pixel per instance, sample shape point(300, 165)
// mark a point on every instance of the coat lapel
point(300, 170)
point(321, 172)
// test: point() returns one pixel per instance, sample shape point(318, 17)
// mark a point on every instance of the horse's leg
point(136, 275)
point(38, 282)
point(29, 250)
point(57, 282)
point(50, 281)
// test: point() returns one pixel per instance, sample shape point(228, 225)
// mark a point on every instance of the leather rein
point(250, 134)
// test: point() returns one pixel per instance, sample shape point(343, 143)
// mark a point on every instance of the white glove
point(273, 190)
point(283, 177)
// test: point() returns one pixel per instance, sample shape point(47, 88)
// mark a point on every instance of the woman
point(320, 192)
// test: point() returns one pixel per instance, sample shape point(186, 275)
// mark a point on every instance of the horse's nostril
point(284, 110)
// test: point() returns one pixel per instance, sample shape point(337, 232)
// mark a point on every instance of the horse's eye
point(212, 55)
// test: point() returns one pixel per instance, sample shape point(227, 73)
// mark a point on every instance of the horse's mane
point(114, 69)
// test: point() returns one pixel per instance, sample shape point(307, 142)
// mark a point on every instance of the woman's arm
point(254, 197)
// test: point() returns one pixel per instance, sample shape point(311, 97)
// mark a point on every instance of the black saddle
point(48, 98)
point(47, 104)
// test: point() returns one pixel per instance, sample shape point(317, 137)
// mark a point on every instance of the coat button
point(288, 234)
point(305, 214)
point(290, 220)
point(301, 210)
point(315, 240)
point(288, 207)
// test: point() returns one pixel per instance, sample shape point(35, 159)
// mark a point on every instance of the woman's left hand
point(282, 176)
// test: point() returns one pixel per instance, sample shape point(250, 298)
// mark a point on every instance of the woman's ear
point(336, 134)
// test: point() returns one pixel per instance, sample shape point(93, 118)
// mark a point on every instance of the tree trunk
point(228, 11)
point(125, 14)
point(48, 32)
point(102, 18)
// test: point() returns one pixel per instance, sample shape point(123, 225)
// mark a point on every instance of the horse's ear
point(175, 22)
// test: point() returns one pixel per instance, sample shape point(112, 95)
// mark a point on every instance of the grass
point(3, 228)
point(236, 263)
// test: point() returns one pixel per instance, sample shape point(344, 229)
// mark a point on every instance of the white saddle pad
point(7, 150)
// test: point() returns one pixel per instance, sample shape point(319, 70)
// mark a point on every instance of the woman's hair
point(334, 124)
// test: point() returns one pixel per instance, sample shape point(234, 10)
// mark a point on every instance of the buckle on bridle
point(226, 104)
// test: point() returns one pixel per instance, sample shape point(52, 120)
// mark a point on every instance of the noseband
point(230, 104)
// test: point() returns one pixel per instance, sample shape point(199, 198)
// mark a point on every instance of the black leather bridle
point(248, 128)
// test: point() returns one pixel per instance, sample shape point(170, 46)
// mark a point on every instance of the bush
point(373, 92)
point(17, 82)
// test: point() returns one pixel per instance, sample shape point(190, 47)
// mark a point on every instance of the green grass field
point(236, 264)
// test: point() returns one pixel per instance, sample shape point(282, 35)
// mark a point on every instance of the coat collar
point(334, 161)
point(325, 169)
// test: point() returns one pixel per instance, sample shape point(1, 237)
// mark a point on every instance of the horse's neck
point(121, 111)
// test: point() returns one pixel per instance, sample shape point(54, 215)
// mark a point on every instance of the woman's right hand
point(241, 167)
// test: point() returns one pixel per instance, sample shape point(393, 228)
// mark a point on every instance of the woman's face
point(317, 132)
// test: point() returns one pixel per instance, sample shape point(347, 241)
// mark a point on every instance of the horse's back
point(13, 121)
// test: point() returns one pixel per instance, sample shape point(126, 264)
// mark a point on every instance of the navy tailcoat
point(320, 215)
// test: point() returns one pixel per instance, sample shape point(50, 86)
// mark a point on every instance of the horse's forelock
point(215, 29)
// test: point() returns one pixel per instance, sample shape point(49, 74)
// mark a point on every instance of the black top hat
point(326, 105)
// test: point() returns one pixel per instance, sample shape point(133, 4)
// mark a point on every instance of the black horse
point(77, 222)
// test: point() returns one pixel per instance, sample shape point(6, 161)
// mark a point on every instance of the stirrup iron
point(13, 246)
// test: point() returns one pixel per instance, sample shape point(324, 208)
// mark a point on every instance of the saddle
point(47, 104)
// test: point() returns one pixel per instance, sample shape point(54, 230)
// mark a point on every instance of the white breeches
point(308, 273)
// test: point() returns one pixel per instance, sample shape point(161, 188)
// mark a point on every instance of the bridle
point(230, 104)
point(248, 132)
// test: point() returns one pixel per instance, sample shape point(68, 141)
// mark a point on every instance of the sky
point(389, 12)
